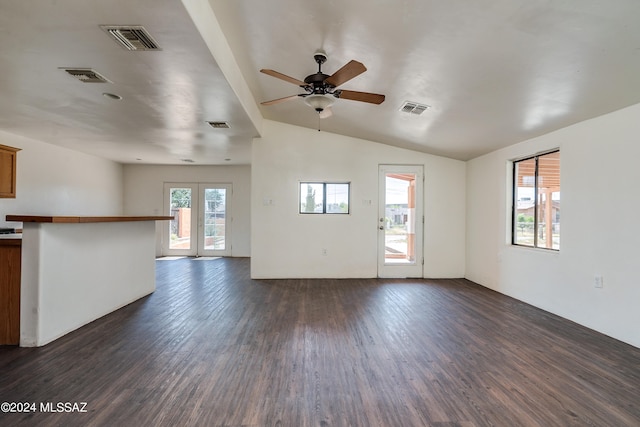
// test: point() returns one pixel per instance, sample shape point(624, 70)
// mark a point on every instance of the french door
point(400, 221)
point(201, 224)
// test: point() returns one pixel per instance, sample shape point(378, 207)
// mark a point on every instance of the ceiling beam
point(207, 24)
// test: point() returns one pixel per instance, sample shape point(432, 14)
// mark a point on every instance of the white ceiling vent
point(219, 125)
point(86, 75)
point(414, 108)
point(131, 37)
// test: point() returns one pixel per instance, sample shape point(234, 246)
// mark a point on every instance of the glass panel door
point(400, 221)
point(201, 224)
point(215, 229)
point(181, 202)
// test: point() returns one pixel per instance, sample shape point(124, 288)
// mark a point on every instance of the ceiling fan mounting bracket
point(320, 56)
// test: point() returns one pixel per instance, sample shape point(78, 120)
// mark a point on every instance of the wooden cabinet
point(8, 157)
point(10, 270)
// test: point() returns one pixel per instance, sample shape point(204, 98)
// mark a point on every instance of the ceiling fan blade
point(346, 73)
point(372, 98)
point(327, 112)
point(284, 77)
point(279, 100)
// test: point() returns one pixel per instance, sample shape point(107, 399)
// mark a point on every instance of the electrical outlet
point(598, 282)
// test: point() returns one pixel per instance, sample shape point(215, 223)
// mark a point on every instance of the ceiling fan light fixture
point(318, 102)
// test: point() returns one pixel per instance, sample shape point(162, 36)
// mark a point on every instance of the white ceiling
point(495, 72)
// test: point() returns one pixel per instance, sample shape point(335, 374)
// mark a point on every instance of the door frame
point(227, 220)
point(413, 268)
point(166, 229)
point(197, 243)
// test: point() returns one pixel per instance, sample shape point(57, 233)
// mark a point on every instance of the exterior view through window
point(324, 198)
point(399, 218)
point(536, 201)
point(214, 219)
point(180, 226)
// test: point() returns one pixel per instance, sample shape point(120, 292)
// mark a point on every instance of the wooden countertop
point(84, 219)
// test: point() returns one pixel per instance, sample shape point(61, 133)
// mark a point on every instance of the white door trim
point(407, 267)
point(197, 220)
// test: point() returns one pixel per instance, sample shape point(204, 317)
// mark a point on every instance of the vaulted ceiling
point(494, 73)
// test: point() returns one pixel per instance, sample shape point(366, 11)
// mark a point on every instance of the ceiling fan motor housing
point(317, 82)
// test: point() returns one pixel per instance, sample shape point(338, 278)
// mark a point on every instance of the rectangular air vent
point(414, 108)
point(219, 125)
point(86, 75)
point(131, 37)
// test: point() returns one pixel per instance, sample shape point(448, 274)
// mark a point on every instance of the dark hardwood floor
point(211, 347)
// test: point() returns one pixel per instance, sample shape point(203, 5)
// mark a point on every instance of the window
point(324, 198)
point(536, 201)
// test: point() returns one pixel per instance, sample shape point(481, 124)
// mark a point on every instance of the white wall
point(287, 244)
point(56, 181)
point(73, 274)
point(599, 226)
point(144, 195)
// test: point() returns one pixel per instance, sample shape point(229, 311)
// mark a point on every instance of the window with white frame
point(536, 201)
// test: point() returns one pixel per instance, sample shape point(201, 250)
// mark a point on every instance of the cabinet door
point(8, 171)
point(10, 261)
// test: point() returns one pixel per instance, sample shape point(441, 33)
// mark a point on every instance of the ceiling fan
point(319, 87)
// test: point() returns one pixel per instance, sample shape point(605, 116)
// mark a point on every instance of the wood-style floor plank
point(211, 347)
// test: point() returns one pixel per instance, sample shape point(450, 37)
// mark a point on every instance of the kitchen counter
point(12, 236)
point(76, 269)
point(83, 219)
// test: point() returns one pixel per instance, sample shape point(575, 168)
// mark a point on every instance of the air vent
point(219, 125)
point(112, 96)
point(131, 37)
point(86, 75)
point(414, 108)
